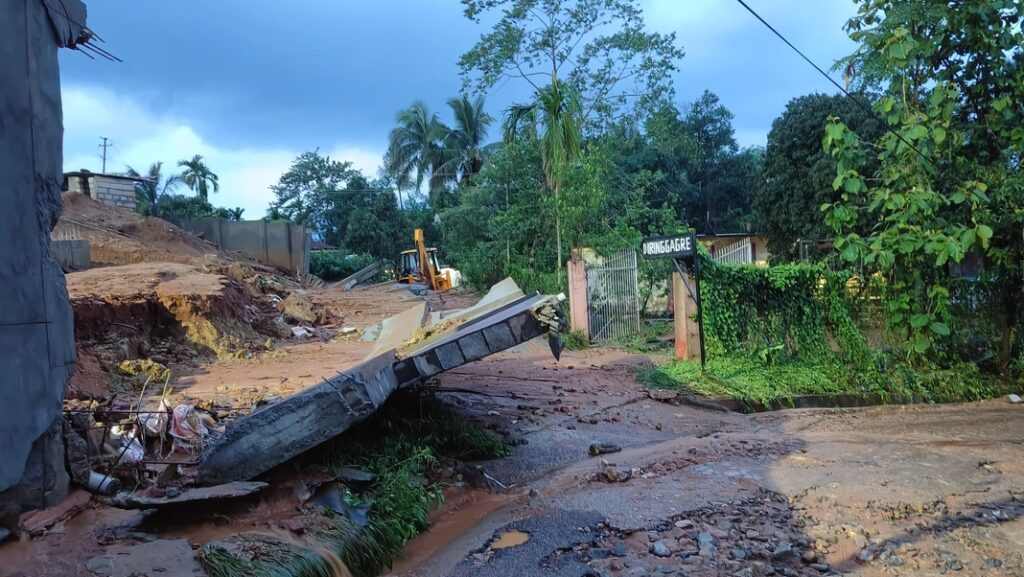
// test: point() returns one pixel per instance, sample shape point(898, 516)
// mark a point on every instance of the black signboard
point(680, 246)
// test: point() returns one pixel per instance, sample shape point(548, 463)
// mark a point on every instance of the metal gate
point(613, 297)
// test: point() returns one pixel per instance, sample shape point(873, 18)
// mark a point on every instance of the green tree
point(310, 193)
point(415, 149)
point(153, 186)
point(951, 182)
point(798, 173)
point(464, 142)
point(198, 177)
point(598, 47)
point(558, 112)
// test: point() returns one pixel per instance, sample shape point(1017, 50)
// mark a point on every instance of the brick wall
point(112, 191)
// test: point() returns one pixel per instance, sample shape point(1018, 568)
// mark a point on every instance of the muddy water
point(463, 510)
point(510, 539)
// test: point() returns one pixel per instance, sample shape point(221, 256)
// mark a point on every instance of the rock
point(745, 572)
point(1015, 399)
point(739, 553)
point(692, 450)
point(684, 523)
point(990, 562)
point(615, 475)
point(348, 330)
point(353, 476)
point(615, 565)
point(298, 309)
point(823, 567)
point(865, 556)
point(102, 565)
point(660, 549)
point(664, 570)
point(600, 553)
point(809, 556)
point(619, 550)
point(603, 449)
point(784, 550)
point(534, 493)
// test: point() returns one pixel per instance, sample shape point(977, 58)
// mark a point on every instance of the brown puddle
point(510, 539)
point(463, 510)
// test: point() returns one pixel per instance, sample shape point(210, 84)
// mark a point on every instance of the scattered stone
point(613, 474)
point(990, 563)
point(660, 549)
point(619, 550)
point(692, 450)
point(823, 567)
point(739, 553)
point(809, 556)
point(603, 449)
point(784, 550)
point(534, 493)
point(745, 572)
point(102, 565)
point(684, 523)
point(353, 476)
point(1015, 399)
point(600, 553)
point(865, 556)
point(172, 492)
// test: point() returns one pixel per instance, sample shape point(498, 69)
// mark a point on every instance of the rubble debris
point(232, 490)
point(298, 309)
point(145, 368)
point(38, 522)
point(1015, 399)
point(271, 435)
point(302, 332)
point(102, 484)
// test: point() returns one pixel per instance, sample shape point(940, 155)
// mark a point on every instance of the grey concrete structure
point(281, 244)
point(36, 330)
point(113, 189)
point(276, 433)
point(71, 254)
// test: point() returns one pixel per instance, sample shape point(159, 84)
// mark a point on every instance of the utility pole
point(106, 143)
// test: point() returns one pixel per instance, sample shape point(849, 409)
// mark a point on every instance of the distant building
point(113, 189)
point(739, 247)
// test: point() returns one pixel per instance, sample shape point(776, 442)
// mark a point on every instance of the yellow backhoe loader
point(420, 264)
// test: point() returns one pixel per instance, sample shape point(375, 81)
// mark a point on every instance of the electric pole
point(106, 143)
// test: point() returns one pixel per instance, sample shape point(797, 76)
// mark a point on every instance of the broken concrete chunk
point(218, 492)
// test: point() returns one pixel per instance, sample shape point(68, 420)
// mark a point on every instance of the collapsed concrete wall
point(36, 331)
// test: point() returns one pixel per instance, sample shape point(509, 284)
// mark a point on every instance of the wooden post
point(685, 314)
point(579, 314)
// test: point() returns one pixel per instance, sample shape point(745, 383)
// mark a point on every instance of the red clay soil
point(118, 236)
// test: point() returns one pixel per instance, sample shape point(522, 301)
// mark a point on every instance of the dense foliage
point(798, 172)
point(948, 182)
point(341, 206)
point(334, 264)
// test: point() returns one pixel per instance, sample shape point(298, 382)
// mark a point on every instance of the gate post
point(579, 312)
point(687, 333)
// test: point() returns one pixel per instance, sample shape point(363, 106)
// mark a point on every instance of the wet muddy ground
point(919, 490)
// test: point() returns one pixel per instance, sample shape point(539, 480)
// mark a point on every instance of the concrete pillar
point(579, 313)
point(36, 326)
point(687, 333)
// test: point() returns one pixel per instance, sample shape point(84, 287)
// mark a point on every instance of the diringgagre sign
point(675, 246)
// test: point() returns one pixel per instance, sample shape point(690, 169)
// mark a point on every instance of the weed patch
point(401, 445)
point(767, 380)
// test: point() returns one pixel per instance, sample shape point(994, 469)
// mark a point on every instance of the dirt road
point(921, 490)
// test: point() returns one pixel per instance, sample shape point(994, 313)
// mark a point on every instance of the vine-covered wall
point(796, 310)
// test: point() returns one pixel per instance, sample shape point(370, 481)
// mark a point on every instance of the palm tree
point(198, 177)
point(559, 112)
point(414, 146)
point(464, 143)
point(236, 213)
point(152, 186)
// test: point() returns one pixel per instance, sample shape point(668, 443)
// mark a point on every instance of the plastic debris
point(187, 428)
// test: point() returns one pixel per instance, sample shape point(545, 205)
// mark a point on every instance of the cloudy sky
point(250, 85)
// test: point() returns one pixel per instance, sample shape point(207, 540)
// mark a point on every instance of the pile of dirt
point(117, 236)
point(170, 313)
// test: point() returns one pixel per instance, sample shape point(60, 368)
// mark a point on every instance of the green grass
point(400, 444)
point(750, 379)
point(649, 338)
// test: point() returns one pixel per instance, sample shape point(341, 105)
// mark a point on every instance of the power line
point(863, 105)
